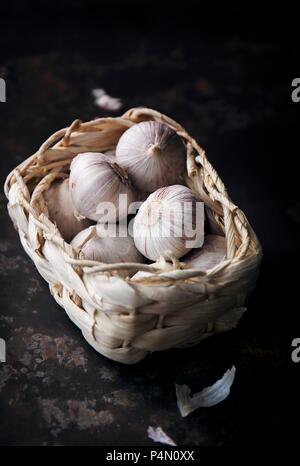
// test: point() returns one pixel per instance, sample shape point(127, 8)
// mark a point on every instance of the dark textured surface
point(233, 94)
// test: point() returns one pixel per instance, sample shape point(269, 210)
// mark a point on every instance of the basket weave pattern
point(171, 306)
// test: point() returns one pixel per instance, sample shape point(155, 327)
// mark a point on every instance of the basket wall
point(169, 306)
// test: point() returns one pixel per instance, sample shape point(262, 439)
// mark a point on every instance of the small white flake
point(105, 101)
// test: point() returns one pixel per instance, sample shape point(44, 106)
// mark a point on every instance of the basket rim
point(243, 246)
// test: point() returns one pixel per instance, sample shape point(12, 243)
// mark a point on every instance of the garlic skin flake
point(208, 397)
point(153, 155)
point(94, 244)
point(101, 190)
point(62, 211)
point(105, 101)
point(169, 223)
point(211, 254)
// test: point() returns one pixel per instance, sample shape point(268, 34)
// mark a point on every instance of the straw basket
point(170, 307)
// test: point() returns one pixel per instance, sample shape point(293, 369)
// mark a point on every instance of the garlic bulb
point(100, 189)
point(95, 244)
point(169, 223)
point(61, 210)
point(211, 254)
point(153, 155)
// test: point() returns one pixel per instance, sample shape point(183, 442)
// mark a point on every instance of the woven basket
point(171, 306)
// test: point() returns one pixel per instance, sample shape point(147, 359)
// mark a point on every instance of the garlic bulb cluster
point(152, 154)
point(96, 244)
point(166, 223)
point(62, 211)
point(144, 168)
point(211, 254)
point(96, 183)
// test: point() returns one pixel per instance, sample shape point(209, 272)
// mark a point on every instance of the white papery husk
point(158, 435)
point(209, 396)
point(105, 101)
point(212, 252)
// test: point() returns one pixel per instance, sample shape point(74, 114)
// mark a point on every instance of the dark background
point(225, 73)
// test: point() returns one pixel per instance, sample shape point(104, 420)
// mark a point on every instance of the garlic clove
point(110, 247)
point(153, 155)
point(101, 190)
point(62, 211)
point(210, 255)
point(169, 223)
point(105, 101)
